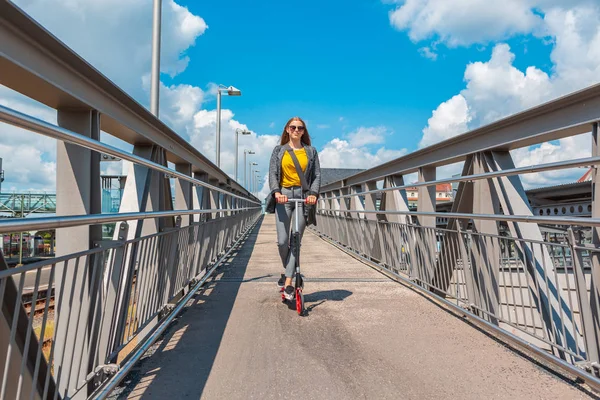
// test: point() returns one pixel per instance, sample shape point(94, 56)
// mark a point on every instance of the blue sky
point(373, 79)
point(326, 60)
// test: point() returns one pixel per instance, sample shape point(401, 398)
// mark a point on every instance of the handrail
point(33, 124)
point(575, 221)
point(580, 162)
point(569, 115)
point(27, 224)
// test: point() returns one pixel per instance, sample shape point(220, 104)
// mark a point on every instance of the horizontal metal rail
point(33, 124)
point(573, 221)
point(21, 225)
point(581, 162)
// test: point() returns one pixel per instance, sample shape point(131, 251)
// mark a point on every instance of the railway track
point(40, 303)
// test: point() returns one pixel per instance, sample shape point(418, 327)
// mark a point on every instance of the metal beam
point(550, 301)
point(595, 257)
point(183, 193)
point(566, 116)
point(77, 193)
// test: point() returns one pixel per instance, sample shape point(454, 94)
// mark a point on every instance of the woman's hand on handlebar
point(310, 200)
point(281, 199)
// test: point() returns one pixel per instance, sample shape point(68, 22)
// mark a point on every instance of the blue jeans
point(284, 217)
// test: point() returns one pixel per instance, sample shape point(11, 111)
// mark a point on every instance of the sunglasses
point(295, 127)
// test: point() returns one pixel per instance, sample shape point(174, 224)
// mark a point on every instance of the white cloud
point(115, 36)
point(323, 126)
point(97, 32)
point(29, 159)
point(566, 149)
point(340, 153)
point(449, 119)
point(364, 136)
point(496, 88)
point(427, 52)
point(464, 22)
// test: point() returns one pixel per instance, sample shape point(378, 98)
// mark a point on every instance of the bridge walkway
point(365, 336)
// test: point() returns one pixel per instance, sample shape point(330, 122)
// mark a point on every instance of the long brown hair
point(285, 136)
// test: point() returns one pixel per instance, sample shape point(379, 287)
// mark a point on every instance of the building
point(587, 177)
point(443, 194)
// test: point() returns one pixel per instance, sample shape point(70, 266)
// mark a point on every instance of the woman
point(285, 183)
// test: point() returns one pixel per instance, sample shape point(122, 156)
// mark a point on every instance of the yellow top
point(289, 176)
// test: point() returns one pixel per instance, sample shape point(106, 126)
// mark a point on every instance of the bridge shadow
point(179, 364)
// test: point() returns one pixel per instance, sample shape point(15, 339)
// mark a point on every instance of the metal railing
point(533, 279)
point(116, 294)
point(72, 325)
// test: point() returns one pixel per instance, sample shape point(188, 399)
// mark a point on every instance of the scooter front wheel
point(299, 302)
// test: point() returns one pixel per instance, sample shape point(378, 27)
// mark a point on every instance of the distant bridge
point(23, 204)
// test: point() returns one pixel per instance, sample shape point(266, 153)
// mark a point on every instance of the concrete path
point(365, 337)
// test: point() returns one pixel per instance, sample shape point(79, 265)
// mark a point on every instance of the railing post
point(396, 200)
point(595, 256)
point(201, 197)
point(116, 299)
point(183, 193)
point(358, 233)
point(374, 236)
point(590, 334)
point(77, 192)
point(485, 249)
point(345, 216)
point(426, 202)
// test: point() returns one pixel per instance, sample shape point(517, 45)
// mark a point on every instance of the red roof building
point(586, 177)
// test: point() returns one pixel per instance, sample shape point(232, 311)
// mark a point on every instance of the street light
point(254, 180)
point(250, 176)
point(237, 133)
point(259, 181)
point(155, 73)
point(231, 91)
point(246, 151)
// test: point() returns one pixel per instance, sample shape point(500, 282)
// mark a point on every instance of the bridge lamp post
point(155, 79)
point(259, 181)
point(245, 172)
point(1, 175)
point(255, 181)
point(252, 164)
point(231, 91)
point(239, 131)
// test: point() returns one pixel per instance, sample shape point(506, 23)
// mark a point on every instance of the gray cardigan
point(312, 173)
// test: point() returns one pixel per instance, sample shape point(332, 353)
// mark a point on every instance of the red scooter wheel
point(299, 301)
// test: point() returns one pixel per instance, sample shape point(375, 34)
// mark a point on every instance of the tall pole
point(250, 176)
point(155, 84)
point(245, 176)
point(1, 175)
point(218, 156)
point(236, 154)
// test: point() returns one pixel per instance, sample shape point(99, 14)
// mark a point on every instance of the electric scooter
point(295, 247)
